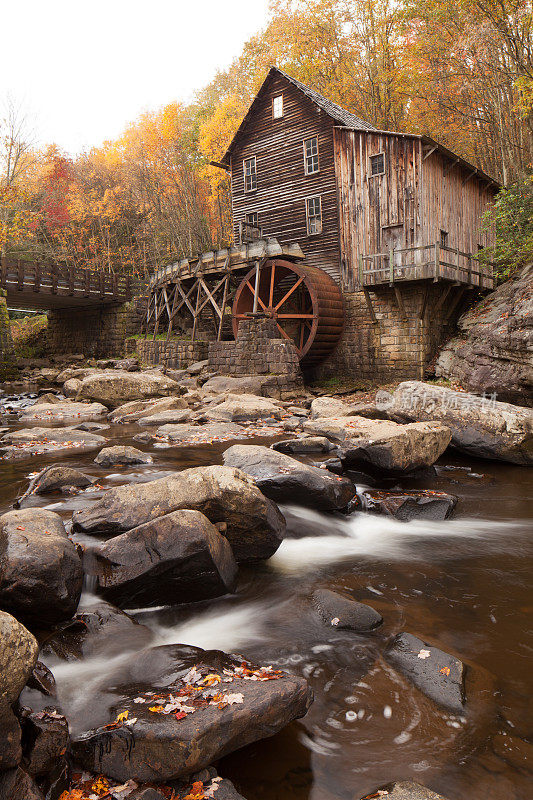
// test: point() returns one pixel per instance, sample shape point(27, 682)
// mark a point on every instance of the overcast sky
point(85, 69)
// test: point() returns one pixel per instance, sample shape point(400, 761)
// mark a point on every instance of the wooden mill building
point(362, 244)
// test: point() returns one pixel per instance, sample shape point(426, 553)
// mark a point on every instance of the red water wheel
point(305, 303)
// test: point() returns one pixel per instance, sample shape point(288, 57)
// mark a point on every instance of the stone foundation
point(393, 348)
point(258, 351)
point(173, 354)
point(96, 332)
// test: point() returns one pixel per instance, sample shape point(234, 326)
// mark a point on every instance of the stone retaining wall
point(172, 354)
point(392, 348)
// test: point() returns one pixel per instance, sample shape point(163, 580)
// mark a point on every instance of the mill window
point(444, 238)
point(377, 164)
point(277, 106)
point(250, 174)
point(311, 155)
point(313, 210)
point(252, 219)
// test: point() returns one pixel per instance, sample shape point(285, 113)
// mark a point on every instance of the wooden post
point(360, 270)
point(256, 289)
point(224, 298)
point(469, 268)
point(437, 262)
point(391, 266)
point(194, 325)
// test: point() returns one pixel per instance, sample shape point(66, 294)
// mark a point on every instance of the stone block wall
point(172, 354)
point(393, 348)
point(257, 351)
point(98, 332)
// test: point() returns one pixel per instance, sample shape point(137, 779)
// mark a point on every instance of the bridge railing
point(26, 276)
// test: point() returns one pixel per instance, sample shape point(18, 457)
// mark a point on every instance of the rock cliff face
point(493, 350)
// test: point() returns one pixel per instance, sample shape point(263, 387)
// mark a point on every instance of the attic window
point(377, 164)
point(277, 106)
point(250, 174)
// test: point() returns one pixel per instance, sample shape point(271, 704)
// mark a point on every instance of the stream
point(463, 585)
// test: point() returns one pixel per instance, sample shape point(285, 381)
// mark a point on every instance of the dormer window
point(277, 106)
point(311, 155)
point(250, 174)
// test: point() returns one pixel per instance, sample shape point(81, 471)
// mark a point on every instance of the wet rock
point(479, 426)
point(16, 784)
point(200, 434)
point(209, 783)
point(332, 464)
point(303, 445)
point(61, 412)
point(122, 455)
point(116, 387)
point(435, 673)
point(160, 747)
point(134, 410)
point(18, 656)
point(344, 613)
point(491, 351)
point(45, 738)
point(53, 479)
point(40, 569)
point(42, 680)
point(197, 367)
point(292, 424)
point(255, 525)
point(10, 738)
point(514, 750)
point(384, 445)
point(99, 629)
point(49, 397)
point(242, 408)
point(283, 478)
point(91, 426)
point(127, 364)
point(178, 558)
point(144, 437)
point(407, 505)
point(28, 442)
point(167, 417)
point(405, 790)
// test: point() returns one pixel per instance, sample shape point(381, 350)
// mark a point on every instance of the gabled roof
point(337, 114)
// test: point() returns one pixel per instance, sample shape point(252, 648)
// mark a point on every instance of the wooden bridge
point(34, 285)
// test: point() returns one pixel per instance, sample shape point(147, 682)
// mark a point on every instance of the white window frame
point(254, 173)
point(307, 171)
point(275, 115)
point(376, 174)
point(309, 218)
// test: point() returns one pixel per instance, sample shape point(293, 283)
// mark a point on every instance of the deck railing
point(436, 261)
point(29, 276)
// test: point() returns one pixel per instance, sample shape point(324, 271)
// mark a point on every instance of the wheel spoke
point(295, 316)
point(293, 289)
point(253, 295)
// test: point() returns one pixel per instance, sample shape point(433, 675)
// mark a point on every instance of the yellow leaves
point(122, 716)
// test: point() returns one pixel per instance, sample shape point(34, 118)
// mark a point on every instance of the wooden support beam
point(399, 300)
point(451, 166)
point(429, 152)
point(370, 306)
point(424, 306)
point(442, 299)
point(455, 302)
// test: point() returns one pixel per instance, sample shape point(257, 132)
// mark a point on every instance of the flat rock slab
point(40, 569)
point(134, 410)
point(284, 479)
point(344, 613)
point(243, 408)
point(200, 434)
point(61, 412)
point(384, 445)
point(255, 526)
point(172, 729)
point(122, 455)
point(36, 441)
point(480, 426)
point(303, 445)
point(178, 558)
point(437, 674)
point(171, 417)
point(408, 505)
point(404, 790)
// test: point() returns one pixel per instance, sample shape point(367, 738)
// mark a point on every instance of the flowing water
point(463, 585)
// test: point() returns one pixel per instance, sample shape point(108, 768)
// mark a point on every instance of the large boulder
point(284, 479)
point(29, 442)
point(480, 426)
point(46, 739)
point(135, 409)
point(437, 674)
point(243, 408)
point(61, 412)
point(40, 569)
point(208, 705)
point(255, 526)
point(259, 385)
point(18, 656)
point(492, 349)
point(407, 505)
point(16, 784)
point(178, 558)
point(116, 387)
point(383, 444)
point(304, 445)
point(200, 434)
point(170, 417)
point(53, 479)
point(10, 737)
point(122, 455)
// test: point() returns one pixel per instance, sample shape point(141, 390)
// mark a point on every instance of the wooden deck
point(32, 285)
point(428, 262)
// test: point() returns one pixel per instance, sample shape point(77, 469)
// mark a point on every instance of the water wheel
point(305, 302)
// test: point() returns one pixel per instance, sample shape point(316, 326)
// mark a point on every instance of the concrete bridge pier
point(97, 331)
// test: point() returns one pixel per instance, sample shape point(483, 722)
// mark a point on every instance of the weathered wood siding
point(406, 206)
point(282, 184)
